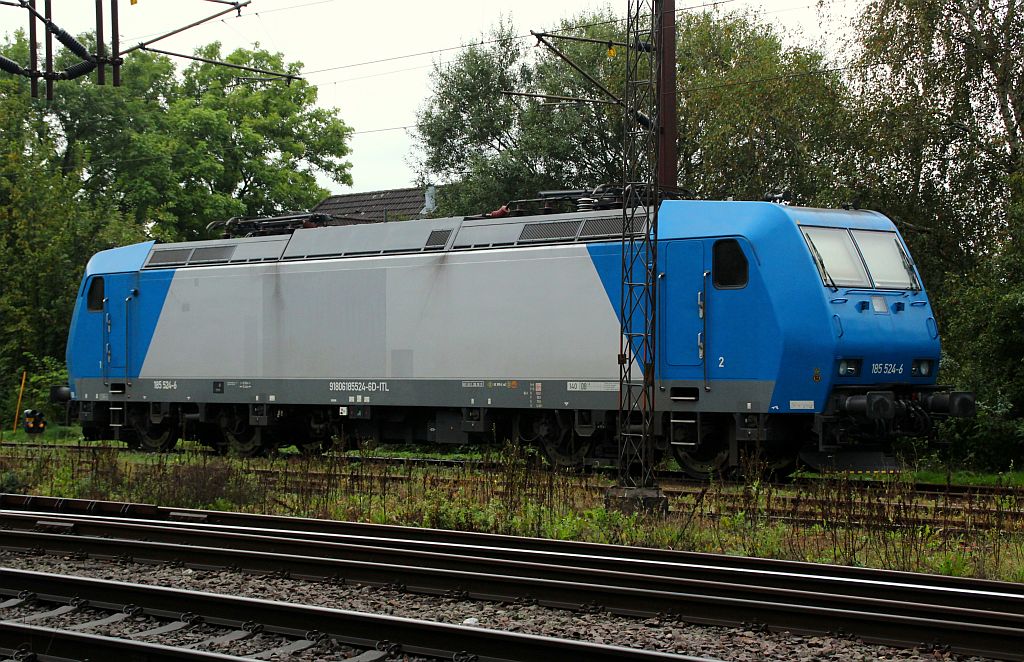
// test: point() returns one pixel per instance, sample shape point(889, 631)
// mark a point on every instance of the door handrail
point(127, 336)
point(705, 311)
point(105, 342)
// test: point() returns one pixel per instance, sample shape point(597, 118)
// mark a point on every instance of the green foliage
point(941, 102)
point(944, 158)
point(49, 233)
point(751, 116)
point(489, 146)
point(177, 150)
point(160, 157)
point(11, 482)
point(756, 115)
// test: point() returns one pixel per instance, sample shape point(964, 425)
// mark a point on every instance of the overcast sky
point(341, 39)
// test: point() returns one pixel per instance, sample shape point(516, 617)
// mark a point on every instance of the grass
point(834, 520)
point(54, 434)
point(1003, 478)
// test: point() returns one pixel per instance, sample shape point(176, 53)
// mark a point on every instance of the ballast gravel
point(666, 635)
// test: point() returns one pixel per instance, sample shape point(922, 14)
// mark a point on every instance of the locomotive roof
point(677, 219)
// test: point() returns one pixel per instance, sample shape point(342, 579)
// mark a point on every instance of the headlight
point(849, 367)
point(922, 367)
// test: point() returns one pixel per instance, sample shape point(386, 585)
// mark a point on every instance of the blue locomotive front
point(793, 331)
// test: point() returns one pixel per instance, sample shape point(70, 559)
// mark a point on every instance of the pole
point(668, 160)
point(33, 52)
point(49, 50)
point(17, 410)
point(115, 45)
point(101, 69)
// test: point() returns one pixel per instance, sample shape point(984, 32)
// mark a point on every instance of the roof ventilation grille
point(169, 257)
point(211, 254)
point(549, 231)
point(607, 227)
point(437, 240)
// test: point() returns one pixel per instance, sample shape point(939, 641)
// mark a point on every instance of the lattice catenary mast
point(649, 165)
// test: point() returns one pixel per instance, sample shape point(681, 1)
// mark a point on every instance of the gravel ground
point(652, 634)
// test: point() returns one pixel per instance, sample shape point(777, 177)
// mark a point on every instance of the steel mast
point(649, 165)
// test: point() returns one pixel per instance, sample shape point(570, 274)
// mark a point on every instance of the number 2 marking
point(721, 361)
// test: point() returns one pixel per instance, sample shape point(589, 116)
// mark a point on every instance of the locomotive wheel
point(778, 455)
point(553, 432)
point(158, 438)
point(213, 437)
point(316, 439)
point(247, 442)
point(153, 437)
point(243, 440)
point(711, 456)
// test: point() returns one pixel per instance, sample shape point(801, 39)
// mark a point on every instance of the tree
point(474, 138)
point(942, 96)
point(754, 116)
point(159, 157)
point(179, 153)
point(49, 233)
point(943, 101)
point(757, 116)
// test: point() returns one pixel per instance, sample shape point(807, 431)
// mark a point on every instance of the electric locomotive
point(781, 332)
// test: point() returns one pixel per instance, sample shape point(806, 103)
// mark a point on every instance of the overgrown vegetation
point(158, 158)
point(835, 520)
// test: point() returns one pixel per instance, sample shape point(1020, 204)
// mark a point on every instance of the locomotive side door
point(732, 313)
point(682, 303)
point(117, 320)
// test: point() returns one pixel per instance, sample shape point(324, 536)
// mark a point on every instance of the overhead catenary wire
point(445, 49)
point(99, 165)
point(431, 64)
point(499, 40)
point(262, 11)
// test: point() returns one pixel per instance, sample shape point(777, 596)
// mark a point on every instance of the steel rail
point(708, 602)
point(429, 638)
point(55, 644)
point(405, 536)
point(969, 621)
point(592, 575)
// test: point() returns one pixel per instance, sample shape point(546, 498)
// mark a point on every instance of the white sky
point(346, 34)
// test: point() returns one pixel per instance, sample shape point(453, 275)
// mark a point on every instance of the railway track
point(864, 505)
point(971, 617)
point(61, 615)
point(672, 481)
point(829, 502)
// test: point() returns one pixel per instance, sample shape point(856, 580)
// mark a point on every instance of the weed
point(836, 519)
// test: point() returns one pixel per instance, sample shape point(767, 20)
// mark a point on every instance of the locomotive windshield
point(887, 262)
point(836, 257)
point(860, 258)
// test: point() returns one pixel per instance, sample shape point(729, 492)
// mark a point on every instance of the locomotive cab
point(793, 331)
point(885, 339)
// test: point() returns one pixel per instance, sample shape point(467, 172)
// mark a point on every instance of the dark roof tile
point(374, 206)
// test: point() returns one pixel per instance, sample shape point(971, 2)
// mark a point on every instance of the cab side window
point(94, 299)
point(729, 267)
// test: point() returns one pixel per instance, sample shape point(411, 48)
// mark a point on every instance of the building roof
point(378, 206)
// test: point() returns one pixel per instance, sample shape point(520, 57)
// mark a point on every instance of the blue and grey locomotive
point(781, 330)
